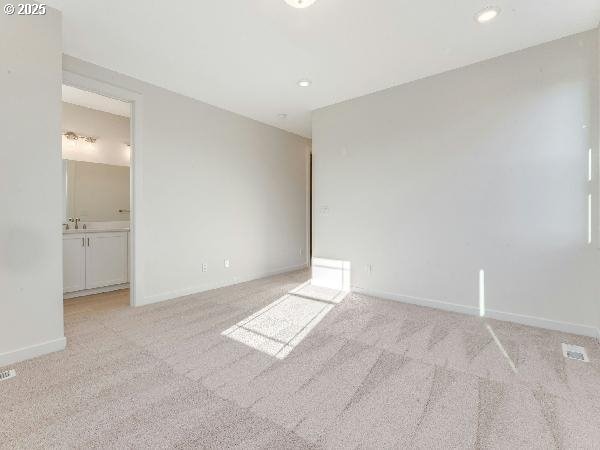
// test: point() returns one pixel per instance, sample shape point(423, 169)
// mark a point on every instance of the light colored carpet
point(371, 374)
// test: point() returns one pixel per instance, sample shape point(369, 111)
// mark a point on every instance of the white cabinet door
point(106, 259)
point(73, 262)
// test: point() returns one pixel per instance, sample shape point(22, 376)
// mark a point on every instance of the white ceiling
point(95, 101)
point(247, 55)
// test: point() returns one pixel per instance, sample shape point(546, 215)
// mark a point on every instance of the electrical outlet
point(226, 263)
point(301, 251)
point(204, 267)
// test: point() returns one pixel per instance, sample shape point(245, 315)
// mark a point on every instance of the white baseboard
point(100, 290)
point(216, 285)
point(438, 304)
point(32, 351)
point(565, 327)
point(548, 324)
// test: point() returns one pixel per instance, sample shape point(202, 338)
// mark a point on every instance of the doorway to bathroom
point(97, 149)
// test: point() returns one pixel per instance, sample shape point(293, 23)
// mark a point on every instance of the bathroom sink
point(94, 230)
point(73, 231)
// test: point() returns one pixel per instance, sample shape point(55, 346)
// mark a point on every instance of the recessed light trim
point(304, 83)
point(487, 14)
point(300, 3)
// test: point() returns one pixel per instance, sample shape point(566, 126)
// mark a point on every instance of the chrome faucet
point(76, 220)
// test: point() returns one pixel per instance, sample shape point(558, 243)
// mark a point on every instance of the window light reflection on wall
point(481, 293)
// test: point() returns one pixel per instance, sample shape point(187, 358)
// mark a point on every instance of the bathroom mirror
point(95, 192)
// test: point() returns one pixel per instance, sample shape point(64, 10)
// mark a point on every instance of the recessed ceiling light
point(300, 3)
point(282, 116)
point(487, 14)
point(304, 83)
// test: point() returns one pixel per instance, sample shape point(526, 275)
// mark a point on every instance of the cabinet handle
point(88, 241)
point(83, 242)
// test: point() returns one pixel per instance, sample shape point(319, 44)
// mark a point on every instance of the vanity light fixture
point(72, 136)
point(300, 3)
point(487, 14)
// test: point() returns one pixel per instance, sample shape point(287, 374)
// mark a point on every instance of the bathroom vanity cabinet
point(94, 261)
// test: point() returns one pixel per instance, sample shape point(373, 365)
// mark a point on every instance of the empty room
point(276, 224)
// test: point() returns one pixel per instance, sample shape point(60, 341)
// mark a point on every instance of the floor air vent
point(6, 374)
point(575, 352)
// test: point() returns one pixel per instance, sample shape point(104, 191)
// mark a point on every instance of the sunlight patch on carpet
point(279, 327)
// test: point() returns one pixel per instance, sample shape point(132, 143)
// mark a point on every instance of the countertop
point(94, 230)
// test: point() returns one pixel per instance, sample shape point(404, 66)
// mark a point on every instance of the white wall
point(214, 186)
point(31, 320)
point(484, 167)
point(111, 131)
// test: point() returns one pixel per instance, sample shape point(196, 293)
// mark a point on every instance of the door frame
point(135, 169)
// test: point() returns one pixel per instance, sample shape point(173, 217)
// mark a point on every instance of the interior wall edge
point(31, 313)
point(32, 351)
